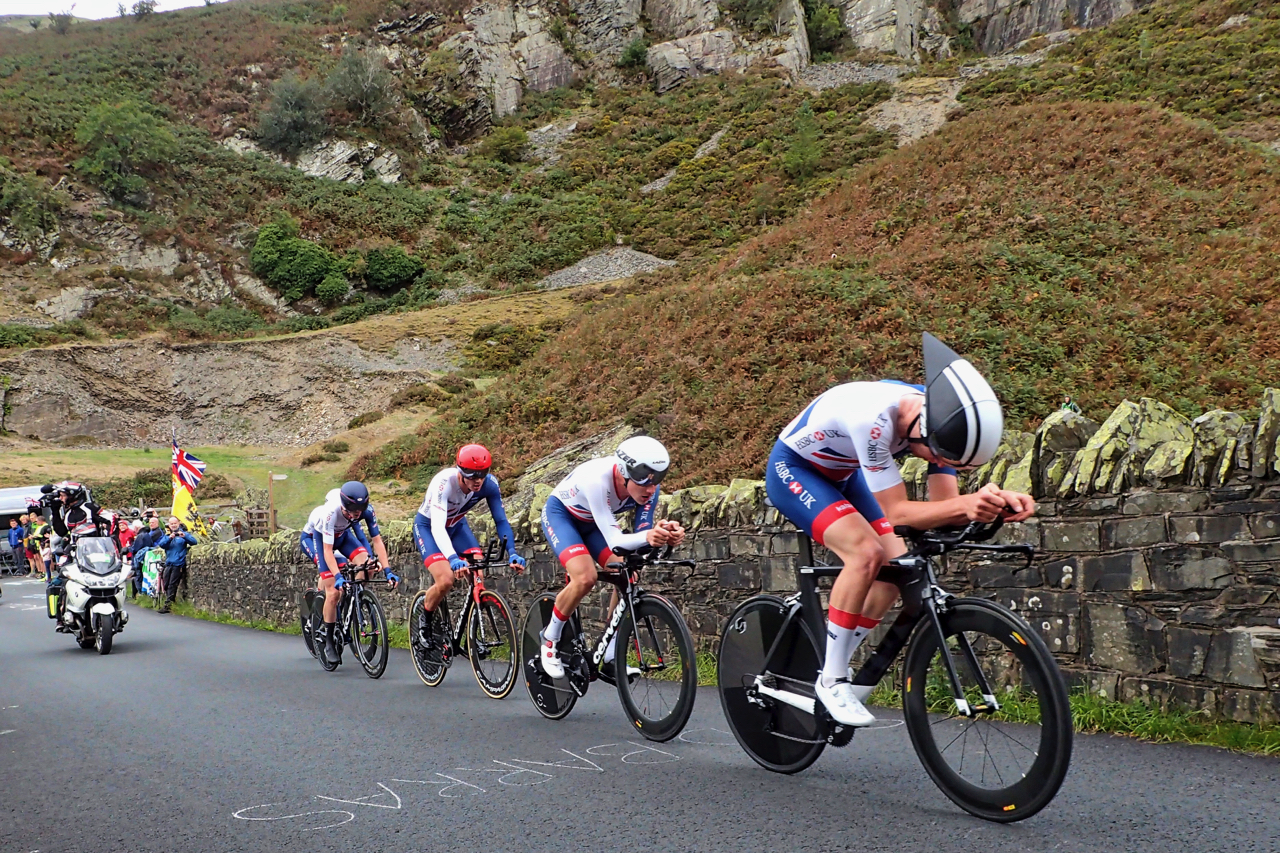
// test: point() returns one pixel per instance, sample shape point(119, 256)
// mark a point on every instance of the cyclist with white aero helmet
point(440, 528)
point(832, 473)
point(581, 525)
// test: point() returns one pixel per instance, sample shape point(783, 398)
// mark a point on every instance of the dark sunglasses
point(643, 475)
point(473, 475)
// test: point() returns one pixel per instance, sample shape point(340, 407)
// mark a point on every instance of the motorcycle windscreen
point(97, 555)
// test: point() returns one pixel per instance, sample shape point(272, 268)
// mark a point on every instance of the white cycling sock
point(555, 626)
point(611, 650)
point(845, 632)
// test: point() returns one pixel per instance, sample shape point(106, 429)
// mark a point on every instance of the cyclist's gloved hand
point(338, 580)
point(518, 562)
point(392, 577)
point(458, 564)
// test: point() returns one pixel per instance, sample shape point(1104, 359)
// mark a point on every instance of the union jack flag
point(188, 469)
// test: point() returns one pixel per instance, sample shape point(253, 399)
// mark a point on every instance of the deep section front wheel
point(777, 736)
point(368, 629)
point(304, 618)
point(660, 684)
point(1002, 752)
point(429, 660)
point(491, 644)
point(553, 698)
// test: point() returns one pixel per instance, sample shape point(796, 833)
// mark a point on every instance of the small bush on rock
point(295, 118)
point(365, 419)
point(335, 446)
point(333, 289)
point(391, 268)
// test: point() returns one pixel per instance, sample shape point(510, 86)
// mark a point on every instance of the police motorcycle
point(86, 597)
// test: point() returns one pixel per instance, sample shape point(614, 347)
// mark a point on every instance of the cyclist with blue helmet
point(333, 539)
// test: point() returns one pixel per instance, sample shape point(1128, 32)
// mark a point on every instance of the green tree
point(823, 24)
point(506, 144)
point(35, 23)
point(635, 54)
point(122, 143)
point(391, 268)
point(295, 117)
point(291, 265)
point(801, 159)
point(333, 289)
point(361, 84)
point(61, 22)
point(143, 8)
point(31, 208)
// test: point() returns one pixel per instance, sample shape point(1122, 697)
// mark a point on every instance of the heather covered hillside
point(1099, 250)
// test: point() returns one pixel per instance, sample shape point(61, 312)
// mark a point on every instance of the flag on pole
point(186, 467)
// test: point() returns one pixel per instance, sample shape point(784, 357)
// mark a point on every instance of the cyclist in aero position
point(581, 525)
point(441, 531)
point(832, 473)
point(332, 538)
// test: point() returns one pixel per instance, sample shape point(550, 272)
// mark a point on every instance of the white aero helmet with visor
point(644, 460)
point(961, 418)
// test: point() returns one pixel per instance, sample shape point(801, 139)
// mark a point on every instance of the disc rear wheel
point(491, 644)
point(777, 736)
point(553, 698)
point(1002, 753)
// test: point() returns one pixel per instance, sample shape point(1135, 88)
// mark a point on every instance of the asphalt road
point(202, 737)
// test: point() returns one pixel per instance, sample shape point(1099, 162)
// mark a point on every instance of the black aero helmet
point(354, 496)
point(961, 418)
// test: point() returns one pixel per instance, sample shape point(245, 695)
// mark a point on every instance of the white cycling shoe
point(842, 704)
point(550, 658)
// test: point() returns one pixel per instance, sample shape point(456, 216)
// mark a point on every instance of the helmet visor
point(473, 473)
point(643, 475)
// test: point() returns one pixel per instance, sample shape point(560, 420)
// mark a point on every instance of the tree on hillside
point(295, 118)
point(122, 142)
point(61, 22)
point(35, 23)
point(801, 159)
point(361, 84)
point(823, 25)
point(143, 8)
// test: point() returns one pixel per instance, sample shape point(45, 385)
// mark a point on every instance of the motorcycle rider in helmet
point(833, 474)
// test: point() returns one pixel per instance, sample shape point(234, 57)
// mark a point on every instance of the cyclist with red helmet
point(440, 528)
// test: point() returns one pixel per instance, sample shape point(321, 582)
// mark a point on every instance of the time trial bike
point(361, 620)
point(984, 702)
point(654, 647)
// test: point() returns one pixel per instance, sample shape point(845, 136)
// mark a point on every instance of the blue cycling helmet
point(354, 496)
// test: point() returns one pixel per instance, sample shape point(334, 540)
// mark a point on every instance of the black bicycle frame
point(922, 598)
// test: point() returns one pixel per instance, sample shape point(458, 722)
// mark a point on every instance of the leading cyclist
point(581, 525)
point(441, 531)
point(832, 473)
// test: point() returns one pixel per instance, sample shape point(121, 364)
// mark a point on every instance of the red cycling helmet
point(474, 459)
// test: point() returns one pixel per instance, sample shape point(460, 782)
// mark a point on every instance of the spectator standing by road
point(175, 543)
point(16, 535)
point(36, 531)
point(138, 548)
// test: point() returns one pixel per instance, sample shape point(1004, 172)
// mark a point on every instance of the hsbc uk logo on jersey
point(817, 436)
point(793, 485)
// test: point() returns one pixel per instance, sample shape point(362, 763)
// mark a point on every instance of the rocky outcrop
point(912, 27)
point(335, 159)
point(609, 265)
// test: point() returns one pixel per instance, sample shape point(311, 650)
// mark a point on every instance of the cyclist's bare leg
point(582, 579)
point(442, 576)
point(332, 595)
point(853, 540)
point(882, 596)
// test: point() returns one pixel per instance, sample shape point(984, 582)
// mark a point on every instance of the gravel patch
point(829, 75)
point(609, 265)
point(454, 295)
point(544, 143)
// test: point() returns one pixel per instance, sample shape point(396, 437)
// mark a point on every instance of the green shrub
point(499, 346)
point(61, 22)
point(31, 208)
point(505, 144)
point(232, 320)
point(391, 268)
point(635, 54)
point(291, 265)
point(365, 419)
point(143, 8)
point(335, 446)
point(122, 142)
point(826, 30)
point(314, 458)
point(361, 85)
point(295, 118)
point(801, 159)
point(333, 289)
point(455, 384)
point(755, 15)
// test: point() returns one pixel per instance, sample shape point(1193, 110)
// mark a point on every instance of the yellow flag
point(184, 507)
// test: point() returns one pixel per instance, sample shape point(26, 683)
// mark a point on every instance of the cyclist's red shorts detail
point(326, 575)
point(812, 501)
point(827, 516)
point(572, 551)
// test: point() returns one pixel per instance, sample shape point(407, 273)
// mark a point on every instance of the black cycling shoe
point(330, 648)
point(424, 632)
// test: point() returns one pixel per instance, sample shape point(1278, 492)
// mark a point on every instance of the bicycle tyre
point(1012, 640)
point(308, 639)
point(778, 737)
point(492, 617)
point(661, 632)
point(554, 699)
point(430, 664)
point(372, 655)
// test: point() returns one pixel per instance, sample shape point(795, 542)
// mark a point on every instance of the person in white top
point(581, 524)
point(832, 473)
point(440, 528)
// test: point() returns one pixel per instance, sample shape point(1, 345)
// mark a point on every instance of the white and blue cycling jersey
point(581, 515)
point(440, 528)
point(326, 525)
